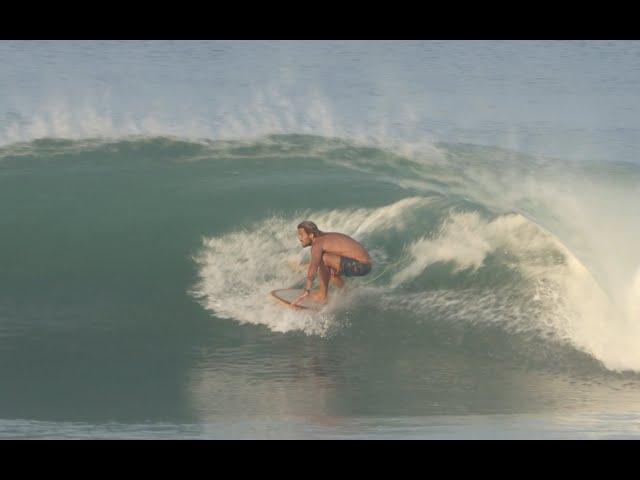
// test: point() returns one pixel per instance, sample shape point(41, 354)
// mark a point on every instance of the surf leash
point(383, 271)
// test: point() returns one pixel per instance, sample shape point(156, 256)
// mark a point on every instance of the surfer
point(333, 255)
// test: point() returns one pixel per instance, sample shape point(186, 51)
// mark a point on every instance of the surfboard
point(288, 295)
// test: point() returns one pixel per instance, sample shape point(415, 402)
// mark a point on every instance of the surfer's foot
point(317, 297)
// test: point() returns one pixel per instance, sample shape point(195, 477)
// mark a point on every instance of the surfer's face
point(304, 237)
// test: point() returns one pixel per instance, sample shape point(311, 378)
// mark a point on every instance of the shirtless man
point(332, 254)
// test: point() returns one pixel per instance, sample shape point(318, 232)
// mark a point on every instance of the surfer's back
point(343, 245)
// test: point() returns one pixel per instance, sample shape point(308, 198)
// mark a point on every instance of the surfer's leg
point(336, 279)
point(323, 272)
point(329, 260)
point(333, 261)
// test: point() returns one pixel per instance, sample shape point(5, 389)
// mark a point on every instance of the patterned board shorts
point(353, 268)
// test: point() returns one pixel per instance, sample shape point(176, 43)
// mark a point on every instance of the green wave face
point(463, 237)
point(142, 265)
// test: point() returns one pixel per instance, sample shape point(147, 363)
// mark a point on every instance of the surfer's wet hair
point(310, 227)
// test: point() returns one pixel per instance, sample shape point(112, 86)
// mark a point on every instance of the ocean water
point(149, 194)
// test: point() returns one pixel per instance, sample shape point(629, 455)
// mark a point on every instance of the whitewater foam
point(239, 269)
point(568, 304)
